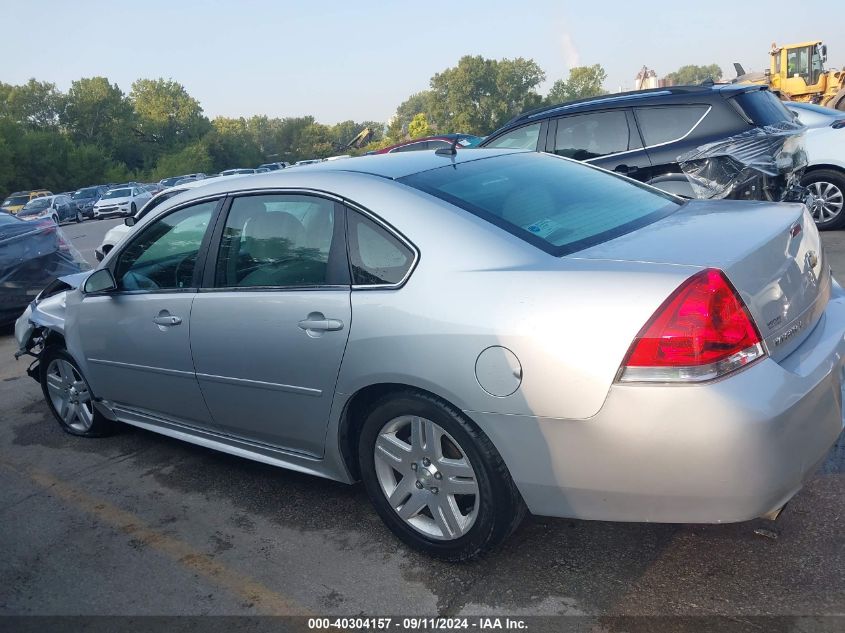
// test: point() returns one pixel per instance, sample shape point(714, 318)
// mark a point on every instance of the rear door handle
point(167, 319)
point(317, 322)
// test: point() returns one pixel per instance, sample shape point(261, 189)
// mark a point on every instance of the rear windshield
point(763, 108)
point(558, 205)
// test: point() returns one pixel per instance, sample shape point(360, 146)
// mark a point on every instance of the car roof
point(652, 96)
point(388, 166)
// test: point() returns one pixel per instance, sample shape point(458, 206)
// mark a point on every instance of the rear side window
point(376, 256)
point(670, 123)
point(586, 136)
point(524, 137)
point(557, 205)
point(763, 108)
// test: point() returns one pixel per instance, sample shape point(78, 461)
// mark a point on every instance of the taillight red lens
point(703, 322)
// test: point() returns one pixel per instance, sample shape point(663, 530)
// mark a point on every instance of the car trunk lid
point(770, 252)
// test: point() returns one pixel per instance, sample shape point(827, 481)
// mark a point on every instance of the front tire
point(133, 209)
point(827, 188)
point(69, 397)
point(435, 479)
point(79, 217)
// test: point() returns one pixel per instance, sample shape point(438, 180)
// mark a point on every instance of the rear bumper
point(726, 451)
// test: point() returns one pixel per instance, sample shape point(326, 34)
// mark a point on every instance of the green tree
point(35, 104)
point(417, 103)
point(97, 112)
point(419, 126)
point(478, 95)
point(692, 74)
point(583, 81)
point(167, 115)
point(191, 159)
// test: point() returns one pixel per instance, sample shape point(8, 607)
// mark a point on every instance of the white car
point(121, 201)
point(825, 174)
point(117, 233)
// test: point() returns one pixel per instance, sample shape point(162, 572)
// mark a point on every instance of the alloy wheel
point(426, 477)
point(70, 395)
point(827, 201)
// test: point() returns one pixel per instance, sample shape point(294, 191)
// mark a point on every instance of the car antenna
point(452, 150)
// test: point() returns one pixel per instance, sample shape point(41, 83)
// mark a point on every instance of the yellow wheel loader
point(796, 73)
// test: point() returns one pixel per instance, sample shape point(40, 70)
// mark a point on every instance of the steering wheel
point(137, 281)
point(177, 274)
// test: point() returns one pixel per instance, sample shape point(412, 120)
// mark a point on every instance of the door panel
point(264, 376)
point(268, 340)
point(137, 363)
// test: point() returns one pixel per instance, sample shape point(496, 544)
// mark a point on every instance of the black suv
point(708, 141)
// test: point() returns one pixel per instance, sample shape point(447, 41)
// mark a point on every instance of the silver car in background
point(471, 335)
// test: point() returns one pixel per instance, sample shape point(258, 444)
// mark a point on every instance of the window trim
point(208, 282)
point(351, 206)
point(202, 253)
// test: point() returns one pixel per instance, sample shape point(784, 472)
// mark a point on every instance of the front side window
point(587, 136)
point(164, 255)
point(277, 240)
point(668, 123)
point(376, 256)
point(524, 137)
point(557, 205)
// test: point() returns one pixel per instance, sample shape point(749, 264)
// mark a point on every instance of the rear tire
point(827, 187)
point(435, 479)
point(69, 397)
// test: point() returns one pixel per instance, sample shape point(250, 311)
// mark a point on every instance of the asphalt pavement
point(141, 524)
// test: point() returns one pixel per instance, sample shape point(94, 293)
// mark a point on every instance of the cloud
point(570, 52)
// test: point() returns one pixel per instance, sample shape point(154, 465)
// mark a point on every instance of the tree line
point(95, 133)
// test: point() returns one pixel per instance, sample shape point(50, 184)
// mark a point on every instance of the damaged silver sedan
point(473, 335)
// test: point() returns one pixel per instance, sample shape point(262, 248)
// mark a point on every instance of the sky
point(360, 59)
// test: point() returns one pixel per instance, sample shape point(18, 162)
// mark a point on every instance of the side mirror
point(129, 221)
point(99, 281)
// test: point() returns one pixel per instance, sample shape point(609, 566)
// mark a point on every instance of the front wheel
point(79, 217)
point(435, 479)
point(827, 198)
point(68, 395)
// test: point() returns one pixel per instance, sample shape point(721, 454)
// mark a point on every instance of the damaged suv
point(709, 141)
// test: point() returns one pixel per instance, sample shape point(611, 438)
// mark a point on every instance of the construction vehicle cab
point(797, 73)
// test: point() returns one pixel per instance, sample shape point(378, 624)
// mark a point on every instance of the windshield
point(89, 192)
point(37, 204)
point(15, 201)
point(117, 193)
point(558, 205)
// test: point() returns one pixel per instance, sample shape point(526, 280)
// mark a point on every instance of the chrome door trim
point(260, 384)
point(158, 370)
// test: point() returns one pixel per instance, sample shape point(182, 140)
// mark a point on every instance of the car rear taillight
point(701, 332)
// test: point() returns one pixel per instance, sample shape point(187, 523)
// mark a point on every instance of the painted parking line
point(248, 589)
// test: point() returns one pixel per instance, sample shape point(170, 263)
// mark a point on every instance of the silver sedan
point(473, 336)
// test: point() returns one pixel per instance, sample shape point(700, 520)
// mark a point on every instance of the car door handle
point(316, 322)
point(167, 320)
